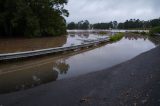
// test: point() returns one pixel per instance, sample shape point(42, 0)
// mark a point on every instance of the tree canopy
point(103, 25)
point(32, 18)
point(138, 24)
point(128, 24)
point(84, 25)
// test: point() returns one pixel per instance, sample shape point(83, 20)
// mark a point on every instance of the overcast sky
point(110, 10)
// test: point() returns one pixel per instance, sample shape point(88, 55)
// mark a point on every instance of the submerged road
point(132, 83)
point(27, 54)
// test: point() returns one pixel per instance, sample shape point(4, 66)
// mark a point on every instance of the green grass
point(154, 31)
point(116, 37)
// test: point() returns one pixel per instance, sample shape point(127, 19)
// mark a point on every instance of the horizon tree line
point(128, 24)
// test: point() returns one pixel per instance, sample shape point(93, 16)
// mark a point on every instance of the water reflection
point(61, 66)
point(23, 75)
point(32, 76)
point(84, 35)
point(131, 36)
point(72, 35)
point(153, 39)
point(20, 80)
point(107, 56)
point(24, 44)
point(79, 38)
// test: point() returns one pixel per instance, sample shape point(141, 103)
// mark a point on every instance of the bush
point(116, 37)
point(143, 33)
point(155, 30)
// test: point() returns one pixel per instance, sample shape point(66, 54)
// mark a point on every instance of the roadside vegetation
point(116, 37)
point(155, 31)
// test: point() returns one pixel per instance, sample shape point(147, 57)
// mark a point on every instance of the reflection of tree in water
point(131, 36)
point(86, 35)
point(80, 35)
point(83, 34)
point(61, 66)
point(22, 80)
point(153, 39)
point(72, 35)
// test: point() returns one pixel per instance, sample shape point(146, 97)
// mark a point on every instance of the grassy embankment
point(155, 31)
point(116, 37)
point(152, 32)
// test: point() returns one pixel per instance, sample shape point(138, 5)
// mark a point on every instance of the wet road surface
point(132, 83)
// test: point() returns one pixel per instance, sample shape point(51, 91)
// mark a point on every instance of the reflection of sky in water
point(106, 56)
point(31, 73)
point(77, 39)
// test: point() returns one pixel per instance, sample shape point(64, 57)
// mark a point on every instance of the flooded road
point(26, 44)
point(105, 57)
point(30, 73)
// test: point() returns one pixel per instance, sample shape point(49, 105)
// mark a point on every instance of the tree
point(32, 17)
point(155, 22)
point(103, 25)
point(121, 26)
point(84, 25)
point(128, 24)
point(115, 24)
point(71, 26)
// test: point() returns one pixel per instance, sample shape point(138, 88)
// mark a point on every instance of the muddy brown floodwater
point(26, 74)
point(26, 44)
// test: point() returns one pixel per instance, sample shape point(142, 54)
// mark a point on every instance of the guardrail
point(11, 56)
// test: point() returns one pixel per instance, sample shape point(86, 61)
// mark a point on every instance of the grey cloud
point(109, 10)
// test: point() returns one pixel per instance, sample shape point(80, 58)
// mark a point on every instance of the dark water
point(22, 75)
point(104, 57)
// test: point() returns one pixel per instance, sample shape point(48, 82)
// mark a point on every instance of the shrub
point(116, 37)
point(155, 30)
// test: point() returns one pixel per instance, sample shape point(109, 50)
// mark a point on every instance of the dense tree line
point(137, 24)
point(128, 24)
point(84, 25)
point(80, 25)
point(32, 17)
point(102, 25)
point(131, 24)
point(110, 25)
